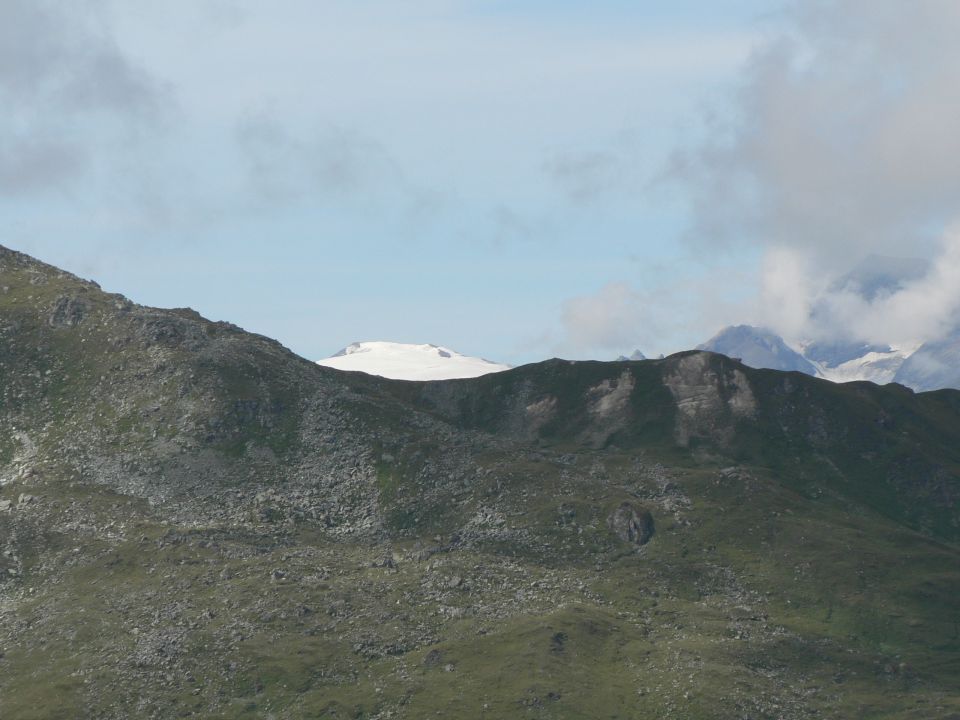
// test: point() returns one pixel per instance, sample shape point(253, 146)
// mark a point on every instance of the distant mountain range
point(762, 348)
point(930, 365)
point(758, 348)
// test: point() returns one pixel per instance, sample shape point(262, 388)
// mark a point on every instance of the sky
point(514, 180)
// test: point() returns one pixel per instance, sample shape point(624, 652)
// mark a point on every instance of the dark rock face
point(68, 312)
point(433, 658)
point(632, 524)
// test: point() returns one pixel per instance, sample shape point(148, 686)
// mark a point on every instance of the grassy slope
point(757, 602)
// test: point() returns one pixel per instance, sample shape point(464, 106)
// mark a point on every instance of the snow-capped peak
point(841, 361)
point(402, 361)
point(876, 366)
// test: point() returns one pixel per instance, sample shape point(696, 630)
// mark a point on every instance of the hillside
point(198, 523)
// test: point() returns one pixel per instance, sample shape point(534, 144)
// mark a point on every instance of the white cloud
point(617, 168)
point(924, 309)
point(786, 293)
point(610, 320)
point(664, 316)
point(841, 141)
point(331, 165)
point(843, 132)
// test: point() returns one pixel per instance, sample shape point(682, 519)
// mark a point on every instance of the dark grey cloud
point(31, 162)
point(68, 92)
point(226, 14)
point(654, 316)
point(332, 162)
point(333, 165)
point(585, 176)
point(507, 225)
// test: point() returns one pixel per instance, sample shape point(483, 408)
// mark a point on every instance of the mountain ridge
point(931, 369)
point(831, 355)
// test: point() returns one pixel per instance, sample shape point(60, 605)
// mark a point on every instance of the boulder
point(632, 524)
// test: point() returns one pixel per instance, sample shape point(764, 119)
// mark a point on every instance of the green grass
point(829, 603)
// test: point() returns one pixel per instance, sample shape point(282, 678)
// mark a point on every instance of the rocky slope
point(196, 522)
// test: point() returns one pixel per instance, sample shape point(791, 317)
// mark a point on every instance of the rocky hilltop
point(196, 522)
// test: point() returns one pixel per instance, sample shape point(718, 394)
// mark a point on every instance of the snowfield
point(878, 367)
point(401, 361)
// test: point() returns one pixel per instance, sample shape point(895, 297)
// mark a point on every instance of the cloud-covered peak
point(881, 275)
point(836, 151)
point(758, 347)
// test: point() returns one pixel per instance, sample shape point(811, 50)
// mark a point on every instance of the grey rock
point(433, 658)
point(632, 524)
point(68, 312)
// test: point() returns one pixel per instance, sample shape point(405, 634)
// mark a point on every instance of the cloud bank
point(659, 317)
point(840, 142)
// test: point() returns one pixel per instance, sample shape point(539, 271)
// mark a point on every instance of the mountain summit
point(931, 365)
point(401, 361)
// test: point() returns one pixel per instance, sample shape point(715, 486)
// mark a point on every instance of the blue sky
point(514, 180)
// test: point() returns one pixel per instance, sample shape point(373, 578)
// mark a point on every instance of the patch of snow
point(402, 361)
point(878, 367)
